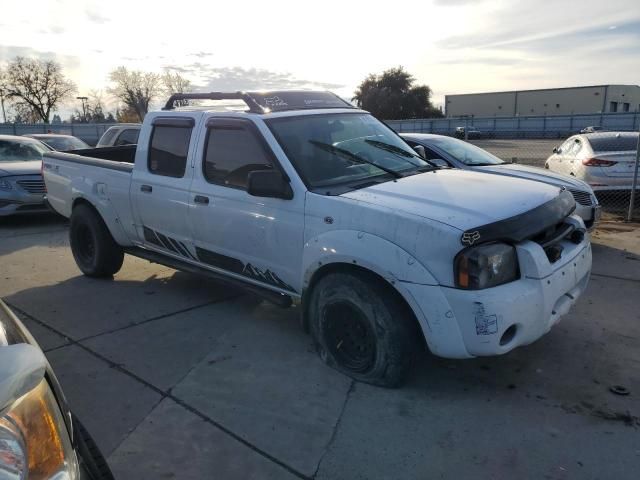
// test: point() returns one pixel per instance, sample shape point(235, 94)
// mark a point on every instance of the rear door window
point(168, 150)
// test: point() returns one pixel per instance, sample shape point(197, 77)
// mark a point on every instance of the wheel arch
point(113, 225)
point(355, 269)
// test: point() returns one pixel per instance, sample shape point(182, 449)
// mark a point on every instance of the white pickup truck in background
point(302, 196)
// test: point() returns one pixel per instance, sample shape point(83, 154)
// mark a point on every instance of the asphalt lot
point(180, 377)
point(526, 151)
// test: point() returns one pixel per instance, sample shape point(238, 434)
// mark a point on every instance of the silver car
point(60, 143)
point(604, 160)
point(450, 152)
point(21, 186)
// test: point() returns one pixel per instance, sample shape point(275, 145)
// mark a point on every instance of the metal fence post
point(634, 184)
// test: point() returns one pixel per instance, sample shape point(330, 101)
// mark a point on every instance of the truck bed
point(122, 153)
point(102, 176)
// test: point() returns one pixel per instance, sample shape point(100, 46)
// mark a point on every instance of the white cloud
point(451, 45)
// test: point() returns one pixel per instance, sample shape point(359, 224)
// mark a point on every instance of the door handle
point(201, 199)
point(146, 188)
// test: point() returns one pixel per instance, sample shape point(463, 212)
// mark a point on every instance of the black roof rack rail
point(254, 107)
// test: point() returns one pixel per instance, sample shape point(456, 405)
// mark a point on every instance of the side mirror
point(556, 150)
point(269, 183)
point(420, 151)
point(439, 162)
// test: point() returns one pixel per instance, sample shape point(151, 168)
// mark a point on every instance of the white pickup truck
point(302, 196)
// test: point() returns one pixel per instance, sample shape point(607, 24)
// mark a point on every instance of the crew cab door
point(254, 238)
point(160, 185)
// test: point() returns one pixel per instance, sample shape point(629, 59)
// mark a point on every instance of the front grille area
point(32, 186)
point(550, 239)
point(583, 198)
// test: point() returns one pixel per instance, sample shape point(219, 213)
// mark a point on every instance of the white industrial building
point(548, 101)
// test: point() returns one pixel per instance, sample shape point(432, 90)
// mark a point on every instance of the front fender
point(364, 250)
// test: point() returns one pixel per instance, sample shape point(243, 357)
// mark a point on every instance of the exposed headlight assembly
point(34, 442)
point(5, 184)
point(485, 266)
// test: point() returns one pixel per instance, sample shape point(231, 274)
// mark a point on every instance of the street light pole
point(4, 114)
point(84, 109)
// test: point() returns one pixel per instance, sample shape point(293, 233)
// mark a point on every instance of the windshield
point(614, 143)
point(65, 143)
point(343, 148)
point(465, 152)
point(21, 151)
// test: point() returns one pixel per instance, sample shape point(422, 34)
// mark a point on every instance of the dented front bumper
point(461, 323)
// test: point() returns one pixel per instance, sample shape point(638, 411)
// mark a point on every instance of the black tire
point(95, 251)
point(92, 462)
point(362, 328)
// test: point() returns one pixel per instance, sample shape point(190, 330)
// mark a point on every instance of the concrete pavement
point(180, 377)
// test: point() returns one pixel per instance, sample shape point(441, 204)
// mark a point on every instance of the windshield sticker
point(315, 102)
point(274, 102)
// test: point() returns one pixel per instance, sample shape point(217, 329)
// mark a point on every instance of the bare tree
point(135, 89)
point(21, 112)
point(175, 83)
point(37, 84)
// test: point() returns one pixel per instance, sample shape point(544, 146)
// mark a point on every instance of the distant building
point(548, 101)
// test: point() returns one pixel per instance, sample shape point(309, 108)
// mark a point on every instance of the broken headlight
point(486, 266)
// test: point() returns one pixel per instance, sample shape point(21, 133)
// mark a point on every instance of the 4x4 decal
point(215, 259)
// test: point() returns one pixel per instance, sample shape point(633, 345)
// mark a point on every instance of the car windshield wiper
point(485, 164)
point(400, 151)
point(353, 157)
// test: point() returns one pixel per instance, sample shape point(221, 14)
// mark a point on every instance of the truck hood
point(20, 168)
point(536, 174)
point(461, 199)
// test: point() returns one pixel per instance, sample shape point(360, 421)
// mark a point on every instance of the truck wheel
point(95, 251)
point(362, 328)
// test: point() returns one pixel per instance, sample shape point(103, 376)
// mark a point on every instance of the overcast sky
point(454, 46)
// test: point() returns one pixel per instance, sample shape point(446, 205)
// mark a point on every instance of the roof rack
point(254, 107)
point(273, 101)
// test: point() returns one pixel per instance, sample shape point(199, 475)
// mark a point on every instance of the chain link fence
point(607, 161)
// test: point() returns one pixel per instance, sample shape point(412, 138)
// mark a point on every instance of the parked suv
point(304, 197)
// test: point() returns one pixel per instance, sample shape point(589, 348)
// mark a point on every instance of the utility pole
point(84, 109)
point(4, 114)
point(466, 126)
point(634, 184)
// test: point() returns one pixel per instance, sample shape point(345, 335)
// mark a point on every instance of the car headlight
point(34, 443)
point(486, 266)
point(5, 184)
